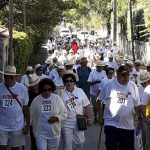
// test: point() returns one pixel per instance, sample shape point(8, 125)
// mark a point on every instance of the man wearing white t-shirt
point(110, 76)
point(95, 78)
point(13, 111)
point(111, 63)
point(121, 99)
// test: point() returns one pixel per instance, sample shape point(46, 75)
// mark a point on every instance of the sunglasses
point(67, 81)
point(9, 77)
point(45, 90)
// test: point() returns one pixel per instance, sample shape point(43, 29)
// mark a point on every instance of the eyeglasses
point(9, 77)
point(67, 81)
point(45, 90)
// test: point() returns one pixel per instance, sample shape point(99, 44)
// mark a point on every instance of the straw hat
point(48, 61)
point(100, 63)
point(33, 80)
point(138, 62)
point(130, 63)
point(37, 66)
point(61, 67)
point(29, 68)
point(9, 70)
point(144, 76)
point(69, 63)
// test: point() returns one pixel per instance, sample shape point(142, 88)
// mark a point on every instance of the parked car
point(65, 32)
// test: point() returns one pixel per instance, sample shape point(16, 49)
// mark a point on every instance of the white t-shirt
point(11, 114)
point(119, 103)
point(43, 76)
point(112, 64)
point(45, 127)
point(146, 96)
point(59, 85)
point(74, 102)
point(95, 75)
point(104, 82)
point(135, 76)
point(24, 80)
point(141, 91)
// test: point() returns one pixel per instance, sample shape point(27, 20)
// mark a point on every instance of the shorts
point(12, 138)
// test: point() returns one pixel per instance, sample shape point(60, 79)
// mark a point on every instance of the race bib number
point(122, 99)
point(7, 102)
point(46, 106)
point(71, 104)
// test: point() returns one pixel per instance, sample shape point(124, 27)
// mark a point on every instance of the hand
point(89, 122)
point(26, 129)
point(53, 119)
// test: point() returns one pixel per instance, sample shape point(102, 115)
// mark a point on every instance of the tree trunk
point(10, 52)
point(115, 21)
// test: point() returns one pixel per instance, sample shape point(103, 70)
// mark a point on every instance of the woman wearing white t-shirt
point(76, 103)
point(47, 111)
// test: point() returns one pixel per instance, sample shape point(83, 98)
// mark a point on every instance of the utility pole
point(24, 16)
point(10, 52)
point(131, 29)
point(115, 21)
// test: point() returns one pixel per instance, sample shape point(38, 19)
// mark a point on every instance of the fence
point(141, 49)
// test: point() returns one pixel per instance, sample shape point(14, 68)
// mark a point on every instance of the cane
point(100, 134)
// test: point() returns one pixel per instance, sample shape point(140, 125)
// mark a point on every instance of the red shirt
point(75, 47)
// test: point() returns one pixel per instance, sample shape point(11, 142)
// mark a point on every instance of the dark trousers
point(121, 139)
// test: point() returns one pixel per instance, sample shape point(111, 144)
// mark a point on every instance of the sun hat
point(61, 67)
point(48, 61)
point(129, 63)
point(69, 63)
point(137, 62)
point(126, 58)
point(37, 66)
point(9, 70)
point(144, 76)
point(29, 68)
point(100, 63)
point(33, 80)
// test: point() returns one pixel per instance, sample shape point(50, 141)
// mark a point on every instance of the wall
point(141, 49)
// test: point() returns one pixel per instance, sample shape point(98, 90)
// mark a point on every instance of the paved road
point(91, 139)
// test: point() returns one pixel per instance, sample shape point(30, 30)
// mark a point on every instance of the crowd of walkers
point(78, 86)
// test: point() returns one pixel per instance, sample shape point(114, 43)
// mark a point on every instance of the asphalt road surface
point(91, 139)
